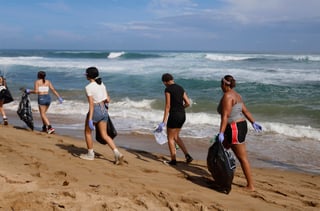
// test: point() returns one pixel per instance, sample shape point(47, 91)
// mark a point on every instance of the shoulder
point(228, 96)
point(91, 85)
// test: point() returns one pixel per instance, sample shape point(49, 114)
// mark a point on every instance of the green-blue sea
point(282, 91)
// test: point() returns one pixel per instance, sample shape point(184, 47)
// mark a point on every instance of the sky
point(195, 25)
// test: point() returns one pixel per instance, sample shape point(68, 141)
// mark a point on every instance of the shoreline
point(42, 172)
point(198, 148)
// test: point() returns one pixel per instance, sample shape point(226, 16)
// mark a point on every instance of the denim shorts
point(100, 113)
point(44, 100)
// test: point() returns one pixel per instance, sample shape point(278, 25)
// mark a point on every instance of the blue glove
point(221, 137)
point(60, 100)
point(91, 126)
point(160, 127)
point(27, 91)
point(257, 127)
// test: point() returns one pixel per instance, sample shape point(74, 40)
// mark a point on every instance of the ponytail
point(98, 80)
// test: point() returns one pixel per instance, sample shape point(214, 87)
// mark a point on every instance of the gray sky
point(211, 25)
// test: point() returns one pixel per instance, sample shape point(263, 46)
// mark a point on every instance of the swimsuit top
point(236, 113)
point(43, 89)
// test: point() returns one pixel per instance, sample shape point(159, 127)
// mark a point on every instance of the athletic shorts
point(236, 132)
point(176, 119)
point(100, 113)
point(44, 100)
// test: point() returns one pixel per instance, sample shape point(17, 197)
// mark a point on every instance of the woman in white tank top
point(42, 87)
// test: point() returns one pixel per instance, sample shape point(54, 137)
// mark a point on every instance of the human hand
point(221, 137)
point(60, 100)
point(91, 126)
point(160, 127)
point(27, 91)
point(257, 127)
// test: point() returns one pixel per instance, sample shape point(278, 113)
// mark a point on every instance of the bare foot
point(250, 188)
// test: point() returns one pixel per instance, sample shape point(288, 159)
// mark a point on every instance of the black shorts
point(236, 132)
point(176, 119)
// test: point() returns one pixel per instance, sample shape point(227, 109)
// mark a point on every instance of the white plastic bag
point(161, 137)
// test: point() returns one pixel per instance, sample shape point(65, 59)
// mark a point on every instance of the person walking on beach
point(233, 125)
point(4, 94)
point(97, 115)
point(41, 87)
point(176, 100)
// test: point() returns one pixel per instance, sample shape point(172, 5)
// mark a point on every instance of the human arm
point(55, 92)
point(186, 100)
point(165, 113)
point(166, 108)
point(225, 108)
point(35, 88)
point(247, 113)
point(107, 100)
point(4, 81)
point(249, 116)
point(226, 104)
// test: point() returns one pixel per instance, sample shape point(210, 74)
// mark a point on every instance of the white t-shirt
point(98, 92)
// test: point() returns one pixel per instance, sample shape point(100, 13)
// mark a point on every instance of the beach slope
point(43, 172)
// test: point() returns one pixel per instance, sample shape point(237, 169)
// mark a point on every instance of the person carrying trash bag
point(233, 125)
point(42, 87)
point(5, 97)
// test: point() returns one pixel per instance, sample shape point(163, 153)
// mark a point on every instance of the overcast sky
point(211, 25)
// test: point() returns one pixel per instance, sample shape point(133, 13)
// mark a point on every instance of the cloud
point(162, 8)
point(271, 11)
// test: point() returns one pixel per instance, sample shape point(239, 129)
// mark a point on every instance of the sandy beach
point(43, 172)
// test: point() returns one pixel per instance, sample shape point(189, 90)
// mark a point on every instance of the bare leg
point(43, 109)
point(1, 109)
point(103, 132)
point(180, 143)
point(241, 153)
point(173, 137)
point(171, 142)
point(87, 135)
point(102, 125)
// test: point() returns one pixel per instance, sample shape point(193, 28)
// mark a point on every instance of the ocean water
point(282, 91)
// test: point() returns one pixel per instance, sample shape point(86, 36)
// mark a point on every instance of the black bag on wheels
point(221, 165)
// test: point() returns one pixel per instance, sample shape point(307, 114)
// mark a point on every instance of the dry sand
point(43, 172)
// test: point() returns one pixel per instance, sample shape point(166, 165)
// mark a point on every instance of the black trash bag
point(111, 131)
point(24, 110)
point(5, 95)
point(221, 165)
